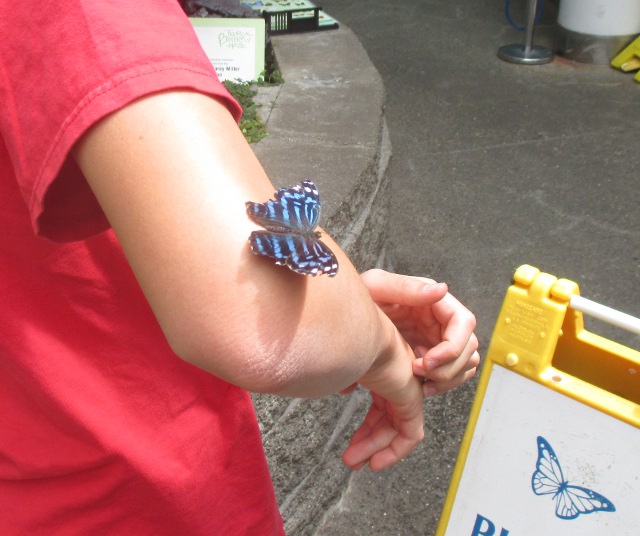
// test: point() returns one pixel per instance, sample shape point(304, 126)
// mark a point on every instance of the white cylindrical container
point(600, 17)
point(594, 31)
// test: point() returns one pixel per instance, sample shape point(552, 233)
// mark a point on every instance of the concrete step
point(326, 123)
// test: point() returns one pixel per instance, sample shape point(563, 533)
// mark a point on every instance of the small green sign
point(236, 47)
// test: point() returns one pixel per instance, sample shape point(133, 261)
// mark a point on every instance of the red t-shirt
point(103, 429)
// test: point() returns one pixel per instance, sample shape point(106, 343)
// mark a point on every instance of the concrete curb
point(326, 123)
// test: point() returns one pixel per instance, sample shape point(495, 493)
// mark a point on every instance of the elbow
point(308, 345)
point(284, 362)
point(242, 358)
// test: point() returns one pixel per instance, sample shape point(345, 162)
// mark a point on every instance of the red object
point(103, 429)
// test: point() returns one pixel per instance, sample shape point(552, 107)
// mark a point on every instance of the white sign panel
point(543, 464)
point(235, 47)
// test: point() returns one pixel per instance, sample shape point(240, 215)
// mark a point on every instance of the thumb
point(387, 287)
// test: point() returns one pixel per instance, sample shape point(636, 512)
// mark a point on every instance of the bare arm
point(172, 172)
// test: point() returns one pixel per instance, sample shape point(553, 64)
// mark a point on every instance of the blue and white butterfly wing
point(295, 209)
point(571, 501)
point(276, 246)
point(304, 255)
point(314, 258)
point(290, 220)
point(576, 500)
point(302, 200)
point(270, 215)
point(547, 478)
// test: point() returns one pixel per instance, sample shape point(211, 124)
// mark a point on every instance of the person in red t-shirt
point(135, 318)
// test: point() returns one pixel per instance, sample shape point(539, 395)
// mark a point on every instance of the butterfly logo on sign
point(571, 501)
point(290, 238)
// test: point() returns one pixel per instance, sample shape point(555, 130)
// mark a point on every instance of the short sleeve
point(64, 65)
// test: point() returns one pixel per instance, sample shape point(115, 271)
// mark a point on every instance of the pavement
point(326, 123)
point(435, 158)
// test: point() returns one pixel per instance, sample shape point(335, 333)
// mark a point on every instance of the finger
point(431, 388)
point(374, 415)
point(384, 446)
point(387, 287)
point(438, 371)
point(371, 420)
point(360, 452)
point(388, 433)
point(348, 390)
point(450, 381)
point(399, 448)
point(418, 364)
point(458, 323)
point(443, 369)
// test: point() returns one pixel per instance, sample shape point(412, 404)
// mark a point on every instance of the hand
point(430, 324)
point(394, 424)
point(437, 326)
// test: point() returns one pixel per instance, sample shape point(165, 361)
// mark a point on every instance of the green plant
point(273, 78)
point(250, 123)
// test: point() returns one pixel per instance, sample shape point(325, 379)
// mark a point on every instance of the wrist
point(391, 373)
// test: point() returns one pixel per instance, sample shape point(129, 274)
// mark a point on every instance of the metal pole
point(606, 314)
point(528, 29)
point(527, 53)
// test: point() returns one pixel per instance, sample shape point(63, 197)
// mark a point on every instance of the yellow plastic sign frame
point(539, 337)
point(629, 59)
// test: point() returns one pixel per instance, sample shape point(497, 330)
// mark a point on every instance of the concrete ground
point(494, 165)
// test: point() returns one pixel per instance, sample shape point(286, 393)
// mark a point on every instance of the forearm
point(172, 173)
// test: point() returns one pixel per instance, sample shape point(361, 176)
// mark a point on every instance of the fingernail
point(430, 391)
point(429, 286)
point(430, 364)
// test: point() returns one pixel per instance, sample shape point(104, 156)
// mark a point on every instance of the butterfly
point(290, 238)
point(571, 501)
